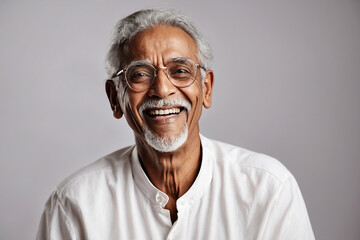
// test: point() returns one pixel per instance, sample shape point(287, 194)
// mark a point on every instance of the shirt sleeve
point(288, 219)
point(54, 223)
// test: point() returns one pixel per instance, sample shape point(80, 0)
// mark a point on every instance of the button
point(159, 199)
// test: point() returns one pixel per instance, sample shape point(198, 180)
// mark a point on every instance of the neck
point(174, 172)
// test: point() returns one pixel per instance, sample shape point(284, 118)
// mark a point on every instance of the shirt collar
point(195, 192)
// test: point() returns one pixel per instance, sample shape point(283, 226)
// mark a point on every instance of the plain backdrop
point(287, 82)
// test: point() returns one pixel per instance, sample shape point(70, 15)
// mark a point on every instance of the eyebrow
point(147, 61)
point(140, 62)
point(178, 59)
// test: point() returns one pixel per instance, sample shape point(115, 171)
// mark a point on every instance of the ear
point(208, 88)
point(111, 92)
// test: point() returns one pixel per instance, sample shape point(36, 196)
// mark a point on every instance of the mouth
point(164, 112)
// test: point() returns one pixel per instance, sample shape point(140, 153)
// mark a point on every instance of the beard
point(165, 144)
point(169, 143)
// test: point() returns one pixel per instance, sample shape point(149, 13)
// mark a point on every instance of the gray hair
point(139, 21)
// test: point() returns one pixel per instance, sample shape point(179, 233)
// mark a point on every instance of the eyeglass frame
point(146, 61)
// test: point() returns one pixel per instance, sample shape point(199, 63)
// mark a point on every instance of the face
point(159, 45)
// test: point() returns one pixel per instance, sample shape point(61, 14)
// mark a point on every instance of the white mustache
point(164, 103)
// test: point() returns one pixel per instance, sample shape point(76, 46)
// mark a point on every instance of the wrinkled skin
point(173, 172)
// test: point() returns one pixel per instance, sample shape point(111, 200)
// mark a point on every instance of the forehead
point(161, 43)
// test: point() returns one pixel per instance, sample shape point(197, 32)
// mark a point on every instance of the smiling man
point(174, 183)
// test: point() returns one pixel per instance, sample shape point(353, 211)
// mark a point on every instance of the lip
point(163, 104)
point(166, 118)
point(164, 111)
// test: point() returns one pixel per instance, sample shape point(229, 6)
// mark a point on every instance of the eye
point(139, 75)
point(180, 72)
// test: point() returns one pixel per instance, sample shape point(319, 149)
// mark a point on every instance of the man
point(174, 183)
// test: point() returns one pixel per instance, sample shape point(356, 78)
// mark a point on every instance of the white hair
point(139, 21)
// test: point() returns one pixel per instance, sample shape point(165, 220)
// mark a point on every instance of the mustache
point(164, 103)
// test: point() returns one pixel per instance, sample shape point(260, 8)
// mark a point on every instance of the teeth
point(164, 111)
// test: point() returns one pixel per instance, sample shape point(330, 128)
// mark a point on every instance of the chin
point(165, 144)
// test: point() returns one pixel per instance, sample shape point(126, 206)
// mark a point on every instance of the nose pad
point(161, 86)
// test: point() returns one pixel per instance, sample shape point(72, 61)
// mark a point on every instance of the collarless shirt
point(238, 194)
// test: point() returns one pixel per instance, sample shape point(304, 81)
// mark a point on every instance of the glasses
point(140, 75)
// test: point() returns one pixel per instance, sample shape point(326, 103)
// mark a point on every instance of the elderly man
point(174, 183)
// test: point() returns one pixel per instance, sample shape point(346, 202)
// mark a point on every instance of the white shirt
point(238, 194)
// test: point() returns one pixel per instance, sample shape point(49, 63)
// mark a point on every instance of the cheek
point(195, 95)
point(130, 104)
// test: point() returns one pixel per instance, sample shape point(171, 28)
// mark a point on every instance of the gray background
point(287, 84)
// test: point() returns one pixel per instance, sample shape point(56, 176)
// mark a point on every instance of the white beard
point(166, 144)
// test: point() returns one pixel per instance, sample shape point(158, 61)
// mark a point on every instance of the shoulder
point(241, 160)
point(100, 172)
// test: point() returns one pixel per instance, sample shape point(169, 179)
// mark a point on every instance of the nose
point(161, 86)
